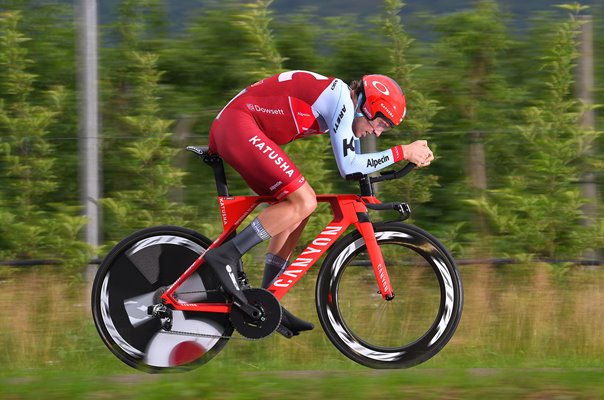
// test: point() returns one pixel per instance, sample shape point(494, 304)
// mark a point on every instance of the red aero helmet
point(383, 98)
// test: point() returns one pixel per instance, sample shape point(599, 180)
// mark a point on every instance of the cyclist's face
point(379, 125)
point(363, 127)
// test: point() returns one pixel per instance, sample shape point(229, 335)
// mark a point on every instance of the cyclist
point(249, 131)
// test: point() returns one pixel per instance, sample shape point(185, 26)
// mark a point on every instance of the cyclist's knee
point(310, 206)
point(304, 200)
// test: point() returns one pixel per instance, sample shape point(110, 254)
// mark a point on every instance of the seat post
point(219, 175)
point(214, 161)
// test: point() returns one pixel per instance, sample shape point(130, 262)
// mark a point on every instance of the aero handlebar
point(384, 175)
point(393, 174)
point(366, 182)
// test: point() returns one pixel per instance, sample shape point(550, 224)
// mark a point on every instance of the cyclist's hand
point(418, 153)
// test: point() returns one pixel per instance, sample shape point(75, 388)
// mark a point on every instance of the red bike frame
point(347, 210)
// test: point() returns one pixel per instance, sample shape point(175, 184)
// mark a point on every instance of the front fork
point(377, 259)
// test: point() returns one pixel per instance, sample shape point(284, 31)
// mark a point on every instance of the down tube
point(306, 259)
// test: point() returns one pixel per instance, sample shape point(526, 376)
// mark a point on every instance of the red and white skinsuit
point(249, 131)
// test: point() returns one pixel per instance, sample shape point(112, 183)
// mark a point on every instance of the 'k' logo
point(348, 146)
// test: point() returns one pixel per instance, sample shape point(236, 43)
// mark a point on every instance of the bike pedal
point(286, 332)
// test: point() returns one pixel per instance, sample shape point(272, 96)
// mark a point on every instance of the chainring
point(270, 318)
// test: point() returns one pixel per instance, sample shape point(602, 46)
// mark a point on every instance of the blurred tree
point(143, 154)
point(263, 57)
point(50, 25)
point(204, 68)
point(416, 188)
point(350, 48)
point(584, 89)
point(36, 228)
point(6, 221)
point(299, 39)
point(476, 73)
point(476, 99)
point(203, 65)
point(598, 26)
point(538, 213)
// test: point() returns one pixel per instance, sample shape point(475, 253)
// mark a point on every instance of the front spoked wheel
point(128, 285)
point(407, 330)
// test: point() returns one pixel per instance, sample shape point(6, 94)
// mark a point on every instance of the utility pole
point(585, 92)
point(89, 120)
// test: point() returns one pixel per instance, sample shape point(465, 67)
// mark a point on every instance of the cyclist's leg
point(274, 266)
point(287, 220)
point(268, 171)
point(283, 244)
point(279, 251)
point(273, 220)
point(285, 216)
point(223, 260)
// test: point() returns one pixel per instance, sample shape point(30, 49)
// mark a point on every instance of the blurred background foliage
point(492, 91)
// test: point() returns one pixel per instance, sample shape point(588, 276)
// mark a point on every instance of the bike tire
point(125, 284)
point(403, 332)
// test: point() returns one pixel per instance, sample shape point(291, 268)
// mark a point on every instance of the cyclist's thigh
point(264, 166)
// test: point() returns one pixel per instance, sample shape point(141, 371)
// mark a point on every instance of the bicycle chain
point(200, 291)
point(206, 335)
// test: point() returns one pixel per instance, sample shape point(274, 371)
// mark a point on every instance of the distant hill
point(180, 10)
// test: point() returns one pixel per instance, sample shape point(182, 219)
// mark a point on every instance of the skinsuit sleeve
point(337, 109)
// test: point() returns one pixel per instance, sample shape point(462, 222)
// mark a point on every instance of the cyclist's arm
point(336, 102)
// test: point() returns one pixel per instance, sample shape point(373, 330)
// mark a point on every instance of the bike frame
point(347, 209)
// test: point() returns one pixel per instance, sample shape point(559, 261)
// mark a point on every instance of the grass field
point(531, 332)
point(222, 383)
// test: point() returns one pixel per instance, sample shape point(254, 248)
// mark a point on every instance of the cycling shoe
point(292, 324)
point(223, 261)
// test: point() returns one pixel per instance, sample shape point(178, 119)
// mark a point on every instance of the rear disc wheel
point(126, 287)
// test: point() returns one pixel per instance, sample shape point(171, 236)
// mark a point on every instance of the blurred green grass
point(532, 331)
point(223, 382)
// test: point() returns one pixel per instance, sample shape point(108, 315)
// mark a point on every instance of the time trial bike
point(388, 294)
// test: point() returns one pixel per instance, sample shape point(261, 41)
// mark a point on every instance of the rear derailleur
point(163, 313)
